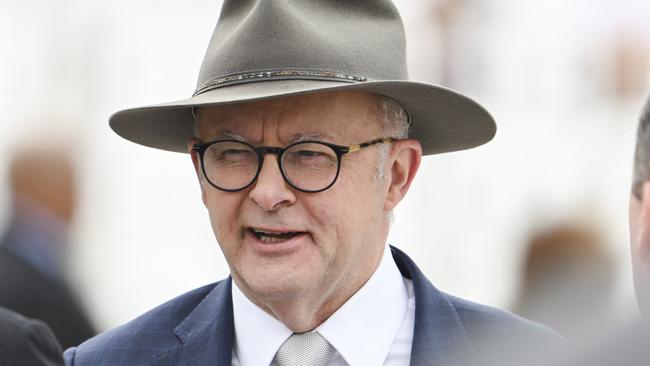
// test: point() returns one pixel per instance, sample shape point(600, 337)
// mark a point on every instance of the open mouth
point(274, 237)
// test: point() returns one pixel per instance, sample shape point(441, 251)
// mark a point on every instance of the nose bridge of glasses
point(263, 151)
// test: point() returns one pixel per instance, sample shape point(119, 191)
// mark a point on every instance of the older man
point(305, 133)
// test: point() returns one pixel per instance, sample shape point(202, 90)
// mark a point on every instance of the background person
point(640, 213)
point(34, 247)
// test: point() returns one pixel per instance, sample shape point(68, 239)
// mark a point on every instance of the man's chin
point(276, 287)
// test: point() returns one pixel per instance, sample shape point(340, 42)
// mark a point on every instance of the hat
point(263, 49)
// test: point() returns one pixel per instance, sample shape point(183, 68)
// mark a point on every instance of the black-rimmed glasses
point(308, 166)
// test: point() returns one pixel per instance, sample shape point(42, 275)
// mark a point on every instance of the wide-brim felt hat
point(263, 49)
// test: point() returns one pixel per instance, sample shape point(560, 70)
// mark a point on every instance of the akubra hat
point(264, 49)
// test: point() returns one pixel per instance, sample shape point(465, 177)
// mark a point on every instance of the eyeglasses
point(308, 166)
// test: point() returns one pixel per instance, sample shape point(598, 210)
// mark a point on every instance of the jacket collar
point(206, 335)
point(439, 337)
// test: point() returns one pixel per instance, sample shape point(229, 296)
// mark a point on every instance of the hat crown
point(361, 39)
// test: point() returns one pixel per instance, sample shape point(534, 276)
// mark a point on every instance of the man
point(629, 345)
point(305, 134)
point(26, 342)
point(640, 213)
point(33, 248)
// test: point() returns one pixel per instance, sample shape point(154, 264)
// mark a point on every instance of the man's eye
point(310, 159)
point(235, 154)
point(309, 153)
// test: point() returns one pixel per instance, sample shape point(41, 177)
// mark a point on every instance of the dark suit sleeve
point(30, 342)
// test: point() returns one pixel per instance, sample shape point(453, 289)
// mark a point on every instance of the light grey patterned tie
point(305, 349)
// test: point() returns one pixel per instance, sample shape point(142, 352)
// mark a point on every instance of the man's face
point(639, 216)
point(337, 236)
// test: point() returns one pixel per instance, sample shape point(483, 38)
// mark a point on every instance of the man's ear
point(407, 155)
point(197, 165)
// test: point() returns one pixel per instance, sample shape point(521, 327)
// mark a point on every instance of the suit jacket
point(26, 342)
point(197, 329)
point(27, 291)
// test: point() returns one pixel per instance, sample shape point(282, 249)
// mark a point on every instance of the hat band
point(293, 74)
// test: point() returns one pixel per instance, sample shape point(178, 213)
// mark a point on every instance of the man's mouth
point(273, 237)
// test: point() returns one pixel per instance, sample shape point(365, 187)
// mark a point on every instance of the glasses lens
point(310, 166)
point(230, 165)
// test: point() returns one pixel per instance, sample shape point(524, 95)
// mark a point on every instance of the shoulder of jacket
point(142, 337)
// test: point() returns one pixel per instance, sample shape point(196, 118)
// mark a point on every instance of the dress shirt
point(374, 327)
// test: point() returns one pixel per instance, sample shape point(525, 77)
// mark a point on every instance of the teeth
point(271, 238)
point(265, 233)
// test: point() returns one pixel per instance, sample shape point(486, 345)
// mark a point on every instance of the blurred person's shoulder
point(157, 331)
point(623, 345)
point(26, 341)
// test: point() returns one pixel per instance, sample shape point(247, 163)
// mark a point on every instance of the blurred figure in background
point(629, 346)
point(33, 249)
point(568, 280)
point(27, 342)
point(640, 213)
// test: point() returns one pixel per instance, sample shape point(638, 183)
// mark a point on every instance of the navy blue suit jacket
point(197, 328)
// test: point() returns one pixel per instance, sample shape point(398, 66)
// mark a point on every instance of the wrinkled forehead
point(326, 116)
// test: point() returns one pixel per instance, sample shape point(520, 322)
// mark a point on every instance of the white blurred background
point(564, 80)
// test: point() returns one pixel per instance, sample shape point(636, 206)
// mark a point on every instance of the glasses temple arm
point(357, 147)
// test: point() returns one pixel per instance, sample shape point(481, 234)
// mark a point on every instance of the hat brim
point(441, 119)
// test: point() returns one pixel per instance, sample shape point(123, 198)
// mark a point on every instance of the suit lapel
point(206, 335)
point(439, 337)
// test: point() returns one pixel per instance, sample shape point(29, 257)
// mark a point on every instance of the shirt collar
point(258, 335)
point(362, 330)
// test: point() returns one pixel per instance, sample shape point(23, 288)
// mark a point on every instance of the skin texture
point(639, 219)
point(305, 280)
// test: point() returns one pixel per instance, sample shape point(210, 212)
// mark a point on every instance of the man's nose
point(270, 191)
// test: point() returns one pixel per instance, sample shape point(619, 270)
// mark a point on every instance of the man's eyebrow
point(229, 135)
point(318, 136)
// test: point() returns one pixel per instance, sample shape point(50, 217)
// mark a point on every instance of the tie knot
point(305, 349)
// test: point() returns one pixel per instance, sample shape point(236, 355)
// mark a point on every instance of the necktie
point(305, 349)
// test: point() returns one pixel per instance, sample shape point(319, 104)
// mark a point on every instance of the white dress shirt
point(374, 327)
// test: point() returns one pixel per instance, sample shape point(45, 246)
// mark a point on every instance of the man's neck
point(305, 311)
